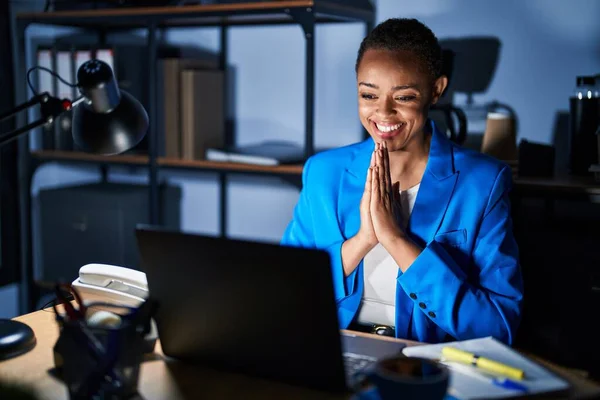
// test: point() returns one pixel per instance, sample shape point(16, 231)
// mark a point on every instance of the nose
point(386, 106)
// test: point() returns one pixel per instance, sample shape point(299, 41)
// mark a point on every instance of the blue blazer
point(466, 283)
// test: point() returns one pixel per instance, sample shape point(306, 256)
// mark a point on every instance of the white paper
point(464, 386)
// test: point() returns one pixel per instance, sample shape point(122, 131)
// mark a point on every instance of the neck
point(408, 165)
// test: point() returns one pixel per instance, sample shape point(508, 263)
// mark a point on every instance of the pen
point(509, 384)
point(454, 354)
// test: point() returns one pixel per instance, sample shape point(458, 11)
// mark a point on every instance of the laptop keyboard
point(356, 362)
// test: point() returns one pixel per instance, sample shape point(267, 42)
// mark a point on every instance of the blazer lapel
point(435, 192)
point(352, 186)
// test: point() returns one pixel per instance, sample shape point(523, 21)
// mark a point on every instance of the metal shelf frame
point(306, 14)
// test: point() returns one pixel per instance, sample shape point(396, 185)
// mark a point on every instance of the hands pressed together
point(380, 216)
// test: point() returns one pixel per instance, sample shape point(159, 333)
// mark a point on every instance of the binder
point(63, 134)
point(45, 83)
point(169, 110)
point(203, 120)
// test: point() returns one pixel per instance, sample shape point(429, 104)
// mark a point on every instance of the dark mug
point(403, 377)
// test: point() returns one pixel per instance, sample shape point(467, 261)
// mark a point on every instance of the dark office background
point(529, 55)
point(9, 232)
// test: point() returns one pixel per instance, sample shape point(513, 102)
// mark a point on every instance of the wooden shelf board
point(197, 15)
point(229, 166)
point(58, 155)
point(73, 156)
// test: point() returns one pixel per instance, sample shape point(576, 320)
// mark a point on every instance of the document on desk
point(471, 382)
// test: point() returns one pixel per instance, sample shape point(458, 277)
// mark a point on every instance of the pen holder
point(102, 361)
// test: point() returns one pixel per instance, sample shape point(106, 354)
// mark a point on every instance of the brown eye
point(367, 96)
point(406, 98)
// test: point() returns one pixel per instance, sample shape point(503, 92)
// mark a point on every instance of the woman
point(418, 229)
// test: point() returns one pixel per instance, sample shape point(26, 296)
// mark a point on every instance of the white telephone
point(115, 285)
point(104, 282)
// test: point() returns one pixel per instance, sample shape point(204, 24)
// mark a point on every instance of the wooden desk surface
point(161, 378)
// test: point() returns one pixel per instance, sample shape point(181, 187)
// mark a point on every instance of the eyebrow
point(400, 87)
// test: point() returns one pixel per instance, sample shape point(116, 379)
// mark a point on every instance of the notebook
point(467, 382)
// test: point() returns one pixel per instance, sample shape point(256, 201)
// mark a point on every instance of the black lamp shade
point(16, 338)
point(112, 132)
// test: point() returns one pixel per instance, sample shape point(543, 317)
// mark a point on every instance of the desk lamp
point(106, 120)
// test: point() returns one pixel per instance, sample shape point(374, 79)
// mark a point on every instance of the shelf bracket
point(305, 17)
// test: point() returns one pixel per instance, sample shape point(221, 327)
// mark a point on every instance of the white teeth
point(387, 129)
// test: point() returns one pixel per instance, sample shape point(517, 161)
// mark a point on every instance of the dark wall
point(9, 233)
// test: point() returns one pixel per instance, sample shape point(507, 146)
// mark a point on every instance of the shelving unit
point(304, 13)
point(45, 156)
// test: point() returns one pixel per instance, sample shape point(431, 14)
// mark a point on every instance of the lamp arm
point(51, 107)
point(7, 137)
point(35, 100)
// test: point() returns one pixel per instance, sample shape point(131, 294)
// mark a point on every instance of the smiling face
point(394, 94)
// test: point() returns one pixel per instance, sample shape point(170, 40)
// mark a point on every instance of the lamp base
point(16, 338)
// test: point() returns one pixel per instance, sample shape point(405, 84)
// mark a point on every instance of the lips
point(387, 130)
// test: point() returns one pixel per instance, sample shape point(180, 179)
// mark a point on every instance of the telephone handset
point(104, 282)
point(116, 285)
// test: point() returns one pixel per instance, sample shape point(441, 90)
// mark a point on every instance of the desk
point(161, 378)
point(571, 187)
point(556, 226)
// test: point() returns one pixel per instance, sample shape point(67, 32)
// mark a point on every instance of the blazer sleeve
point(488, 306)
point(301, 231)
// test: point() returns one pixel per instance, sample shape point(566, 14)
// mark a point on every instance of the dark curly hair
point(405, 34)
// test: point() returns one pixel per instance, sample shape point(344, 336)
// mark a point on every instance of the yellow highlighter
point(454, 354)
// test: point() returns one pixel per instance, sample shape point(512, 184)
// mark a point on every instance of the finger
point(378, 188)
point(368, 185)
point(367, 194)
point(372, 197)
point(375, 171)
point(382, 188)
point(374, 186)
point(386, 165)
point(386, 162)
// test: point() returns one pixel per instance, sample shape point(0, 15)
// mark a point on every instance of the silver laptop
point(255, 308)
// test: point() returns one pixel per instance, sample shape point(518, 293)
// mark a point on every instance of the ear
point(439, 86)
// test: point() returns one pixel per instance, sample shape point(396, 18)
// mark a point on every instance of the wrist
point(365, 242)
point(395, 239)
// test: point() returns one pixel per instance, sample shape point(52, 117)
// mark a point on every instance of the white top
point(378, 304)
